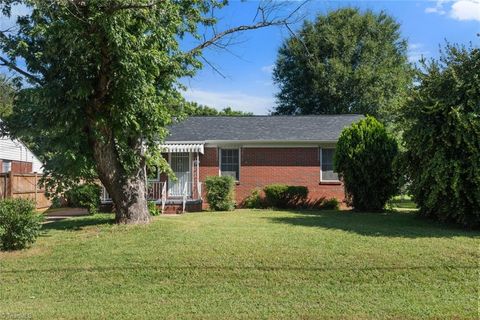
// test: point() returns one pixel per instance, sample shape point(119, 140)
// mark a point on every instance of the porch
point(182, 193)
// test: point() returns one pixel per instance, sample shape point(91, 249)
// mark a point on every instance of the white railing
point(184, 197)
point(104, 196)
point(164, 197)
point(155, 189)
point(158, 191)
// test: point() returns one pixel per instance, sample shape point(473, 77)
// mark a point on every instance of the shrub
point(324, 204)
point(330, 204)
point(364, 160)
point(84, 196)
point(19, 223)
point(220, 193)
point(153, 209)
point(283, 196)
point(254, 200)
point(442, 137)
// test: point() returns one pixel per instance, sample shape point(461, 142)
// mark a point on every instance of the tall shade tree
point(343, 62)
point(442, 137)
point(7, 93)
point(103, 84)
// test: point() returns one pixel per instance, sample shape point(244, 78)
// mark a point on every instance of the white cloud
point(466, 10)
point(416, 51)
point(437, 9)
point(267, 69)
point(235, 99)
point(462, 10)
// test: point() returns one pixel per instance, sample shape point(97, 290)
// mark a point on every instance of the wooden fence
point(23, 185)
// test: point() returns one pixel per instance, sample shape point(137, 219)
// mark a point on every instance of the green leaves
point(443, 137)
point(107, 74)
point(344, 62)
point(364, 158)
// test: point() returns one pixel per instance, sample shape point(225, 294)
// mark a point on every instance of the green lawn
point(246, 264)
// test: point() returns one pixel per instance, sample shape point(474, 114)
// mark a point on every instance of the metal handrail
point(164, 196)
point(184, 198)
point(158, 190)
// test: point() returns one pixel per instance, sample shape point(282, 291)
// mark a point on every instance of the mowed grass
point(246, 264)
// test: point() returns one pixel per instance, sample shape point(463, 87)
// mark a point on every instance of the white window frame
point(321, 162)
point(220, 161)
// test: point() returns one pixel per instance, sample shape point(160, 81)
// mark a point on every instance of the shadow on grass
point(386, 224)
point(79, 223)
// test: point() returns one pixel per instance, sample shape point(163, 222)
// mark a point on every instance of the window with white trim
point(230, 163)
point(327, 173)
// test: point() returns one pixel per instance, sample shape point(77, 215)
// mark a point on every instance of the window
point(326, 161)
point(230, 163)
point(6, 166)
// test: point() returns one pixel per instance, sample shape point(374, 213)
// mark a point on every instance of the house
point(15, 157)
point(255, 150)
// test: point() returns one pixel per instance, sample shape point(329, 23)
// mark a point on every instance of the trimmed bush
point(220, 193)
point(329, 204)
point(153, 209)
point(283, 196)
point(254, 200)
point(323, 204)
point(19, 224)
point(364, 160)
point(85, 196)
point(442, 137)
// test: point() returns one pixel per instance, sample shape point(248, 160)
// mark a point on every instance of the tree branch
point(263, 13)
point(222, 34)
point(11, 65)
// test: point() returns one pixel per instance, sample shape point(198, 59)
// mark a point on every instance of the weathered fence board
point(23, 185)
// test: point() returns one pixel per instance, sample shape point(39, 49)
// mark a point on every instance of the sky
point(241, 76)
point(245, 82)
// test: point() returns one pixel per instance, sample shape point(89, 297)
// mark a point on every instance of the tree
point(103, 85)
point(344, 62)
point(7, 93)
point(364, 159)
point(195, 109)
point(442, 137)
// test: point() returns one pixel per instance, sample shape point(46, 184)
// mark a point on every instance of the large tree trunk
point(127, 189)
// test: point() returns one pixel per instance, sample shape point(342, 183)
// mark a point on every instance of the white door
point(180, 164)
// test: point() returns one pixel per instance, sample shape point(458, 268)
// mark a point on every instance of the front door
point(180, 164)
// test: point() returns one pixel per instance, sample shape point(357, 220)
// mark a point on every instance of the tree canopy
point(347, 61)
point(195, 109)
point(7, 92)
point(102, 83)
point(442, 137)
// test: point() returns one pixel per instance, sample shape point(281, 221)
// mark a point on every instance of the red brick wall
point(263, 166)
point(19, 167)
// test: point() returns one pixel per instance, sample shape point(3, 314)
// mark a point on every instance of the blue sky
point(247, 65)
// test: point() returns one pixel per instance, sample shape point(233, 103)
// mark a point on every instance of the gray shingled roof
point(261, 128)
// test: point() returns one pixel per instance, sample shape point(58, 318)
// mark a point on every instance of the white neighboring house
point(16, 157)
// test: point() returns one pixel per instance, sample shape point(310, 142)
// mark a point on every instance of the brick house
point(255, 150)
point(15, 157)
